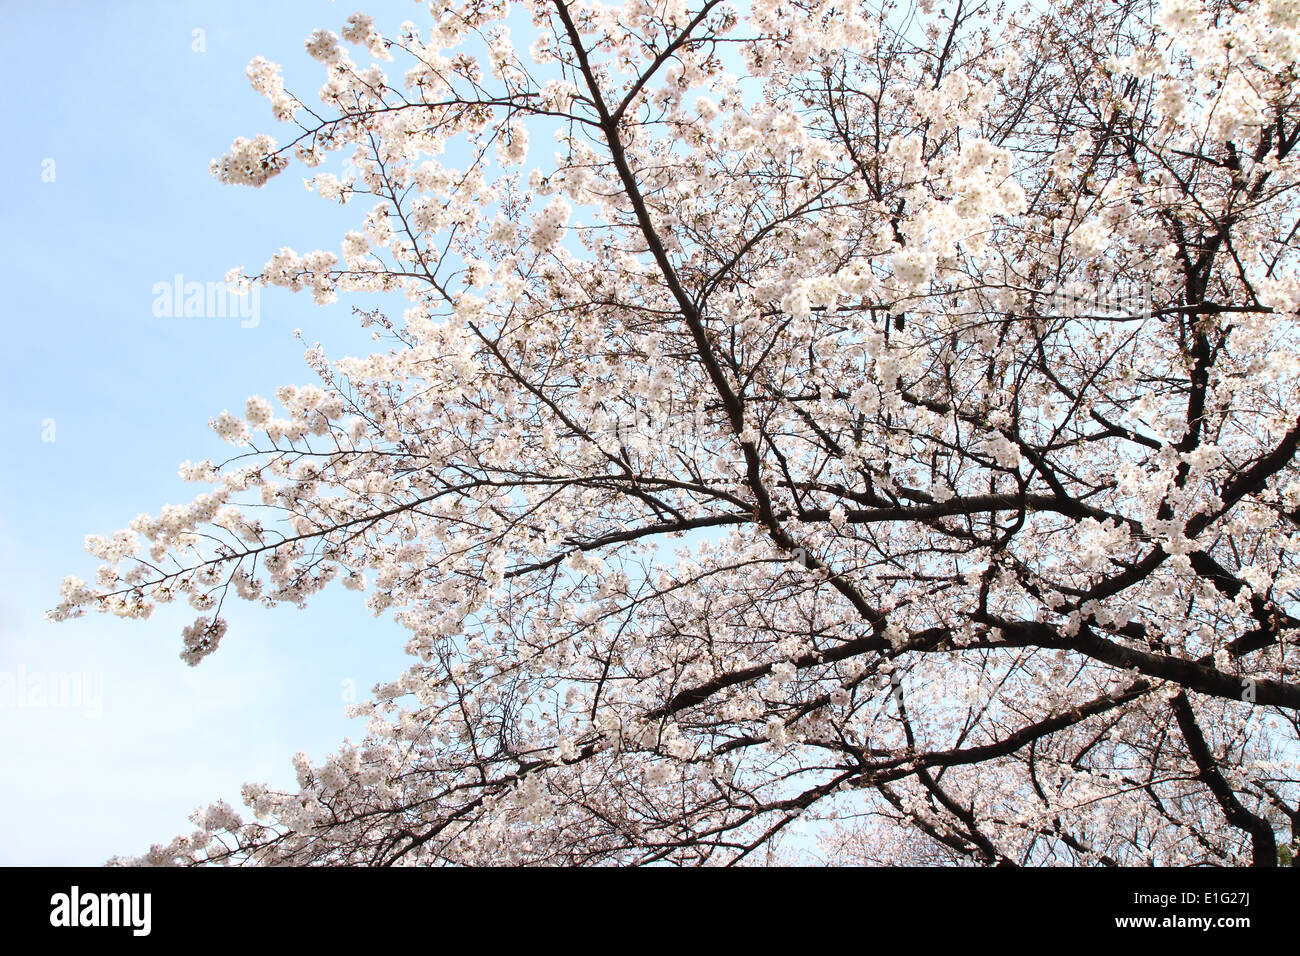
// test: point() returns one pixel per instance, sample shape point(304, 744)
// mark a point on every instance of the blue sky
point(130, 113)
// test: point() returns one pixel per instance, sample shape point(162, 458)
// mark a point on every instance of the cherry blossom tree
point(864, 435)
